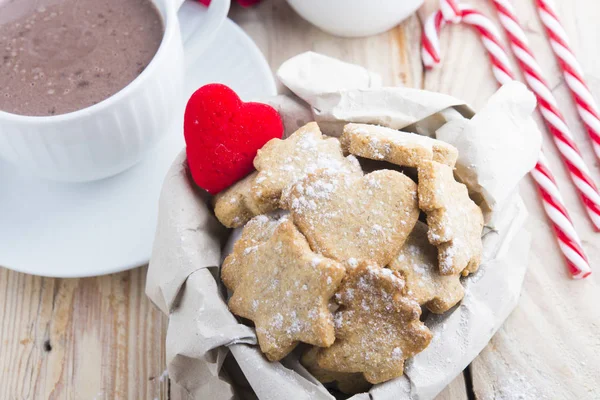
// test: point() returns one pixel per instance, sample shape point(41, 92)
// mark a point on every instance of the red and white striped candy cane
point(568, 240)
point(578, 170)
point(430, 49)
point(586, 105)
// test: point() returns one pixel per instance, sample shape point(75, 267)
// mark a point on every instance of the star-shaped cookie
point(417, 263)
point(284, 288)
point(455, 221)
point(257, 231)
point(377, 327)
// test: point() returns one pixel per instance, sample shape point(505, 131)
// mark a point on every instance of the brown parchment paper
point(213, 356)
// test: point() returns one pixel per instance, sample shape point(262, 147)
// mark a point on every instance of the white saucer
point(77, 230)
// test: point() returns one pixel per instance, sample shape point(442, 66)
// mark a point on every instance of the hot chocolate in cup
point(96, 133)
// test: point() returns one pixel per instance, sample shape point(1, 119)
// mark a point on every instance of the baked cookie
point(280, 164)
point(376, 327)
point(349, 383)
point(455, 221)
point(397, 147)
point(257, 231)
point(282, 286)
point(235, 205)
point(417, 263)
point(352, 217)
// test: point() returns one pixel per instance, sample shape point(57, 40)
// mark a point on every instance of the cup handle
point(216, 14)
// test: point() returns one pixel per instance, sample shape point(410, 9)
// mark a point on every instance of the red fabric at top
point(243, 3)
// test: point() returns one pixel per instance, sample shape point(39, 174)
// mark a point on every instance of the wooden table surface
point(100, 338)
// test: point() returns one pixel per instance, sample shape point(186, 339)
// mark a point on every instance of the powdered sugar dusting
point(386, 273)
point(455, 221)
point(277, 321)
point(250, 249)
point(353, 218)
point(307, 151)
point(378, 324)
point(403, 148)
point(397, 353)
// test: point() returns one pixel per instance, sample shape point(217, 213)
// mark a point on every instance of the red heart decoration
point(223, 134)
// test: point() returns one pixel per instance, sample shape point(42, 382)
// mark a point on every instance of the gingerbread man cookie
point(397, 147)
point(377, 327)
point(352, 217)
point(282, 286)
point(417, 263)
point(455, 221)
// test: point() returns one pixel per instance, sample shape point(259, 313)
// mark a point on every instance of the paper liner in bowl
point(212, 355)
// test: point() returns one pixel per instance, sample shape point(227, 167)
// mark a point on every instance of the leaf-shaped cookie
point(377, 327)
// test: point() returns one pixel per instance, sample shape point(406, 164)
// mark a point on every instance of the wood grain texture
point(456, 390)
point(549, 348)
point(95, 338)
point(280, 33)
point(100, 338)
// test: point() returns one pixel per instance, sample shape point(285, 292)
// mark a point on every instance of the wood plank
point(549, 347)
point(280, 33)
point(94, 338)
point(101, 338)
point(465, 70)
point(456, 390)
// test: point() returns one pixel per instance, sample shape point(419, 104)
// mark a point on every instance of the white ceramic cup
point(107, 138)
point(354, 18)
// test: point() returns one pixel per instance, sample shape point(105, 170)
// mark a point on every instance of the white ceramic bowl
point(113, 135)
point(354, 18)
